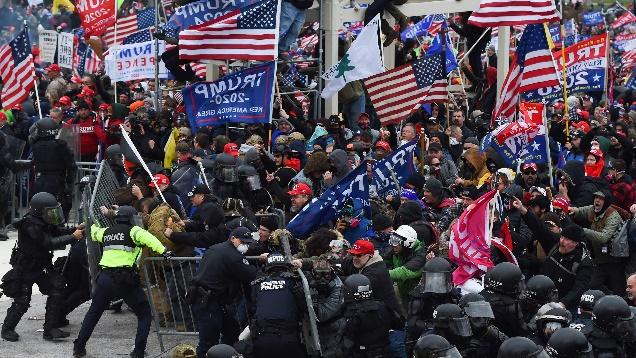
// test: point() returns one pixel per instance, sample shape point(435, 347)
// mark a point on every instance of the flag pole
point(35, 81)
point(444, 30)
point(157, 87)
point(113, 52)
point(566, 113)
point(547, 141)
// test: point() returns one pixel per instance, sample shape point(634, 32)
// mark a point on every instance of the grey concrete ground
point(113, 336)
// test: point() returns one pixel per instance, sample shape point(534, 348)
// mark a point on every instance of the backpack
point(624, 240)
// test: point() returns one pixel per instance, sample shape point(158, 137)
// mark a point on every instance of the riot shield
point(15, 148)
point(101, 195)
point(70, 134)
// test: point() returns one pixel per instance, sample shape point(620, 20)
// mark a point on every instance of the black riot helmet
point(249, 176)
point(541, 289)
point(114, 155)
point(47, 128)
point(225, 168)
point(43, 205)
point(357, 287)
point(569, 343)
point(322, 273)
point(254, 159)
point(222, 351)
point(521, 347)
point(614, 316)
point(589, 299)
point(277, 262)
point(128, 215)
point(476, 306)
point(505, 278)
point(436, 276)
point(553, 320)
point(434, 346)
point(450, 317)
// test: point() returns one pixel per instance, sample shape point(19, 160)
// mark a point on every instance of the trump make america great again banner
point(242, 97)
point(585, 62)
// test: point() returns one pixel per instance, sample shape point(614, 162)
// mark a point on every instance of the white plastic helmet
point(408, 235)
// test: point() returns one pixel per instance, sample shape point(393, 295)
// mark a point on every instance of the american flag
point(493, 13)
point(144, 35)
point(249, 33)
point(469, 246)
point(128, 25)
point(532, 68)
point(437, 21)
point(628, 59)
point(398, 92)
point(16, 70)
point(84, 59)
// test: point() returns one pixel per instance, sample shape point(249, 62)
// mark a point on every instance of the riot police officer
point(39, 233)
point(277, 310)
point(540, 290)
point(216, 285)
point(226, 180)
point(569, 343)
point(122, 245)
point(549, 322)
point(434, 346)
point(486, 338)
point(435, 288)
point(521, 347)
point(222, 351)
point(450, 322)
point(366, 332)
point(116, 163)
point(586, 305)
point(612, 328)
point(503, 288)
point(54, 163)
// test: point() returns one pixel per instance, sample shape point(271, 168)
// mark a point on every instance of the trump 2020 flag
point(362, 60)
point(242, 97)
point(512, 140)
point(320, 211)
point(399, 164)
point(469, 246)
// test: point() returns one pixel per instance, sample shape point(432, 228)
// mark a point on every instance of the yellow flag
point(66, 3)
point(170, 149)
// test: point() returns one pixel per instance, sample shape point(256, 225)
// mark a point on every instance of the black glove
point(167, 254)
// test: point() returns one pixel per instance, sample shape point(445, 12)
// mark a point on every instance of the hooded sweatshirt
point(478, 161)
point(340, 162)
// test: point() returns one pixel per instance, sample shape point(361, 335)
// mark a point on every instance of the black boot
point(14, 314)
point(78, 350)
point(51, 319)
point(10, 335)
point(136, 354)
point(54, 333)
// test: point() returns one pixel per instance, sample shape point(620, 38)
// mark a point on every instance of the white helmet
point(407, 234)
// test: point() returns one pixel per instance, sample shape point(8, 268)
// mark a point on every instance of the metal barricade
point(21, 193)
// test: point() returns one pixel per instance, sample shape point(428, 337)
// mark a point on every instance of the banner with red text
point(96, 16)
point(134, 61)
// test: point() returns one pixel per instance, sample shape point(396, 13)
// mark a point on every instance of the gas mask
point(242, 248)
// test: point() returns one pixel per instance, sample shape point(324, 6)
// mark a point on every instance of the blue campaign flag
point(515, 141)
point(322, 210)
point(242, 97)
point(555, 33)
point(593, 18)
point(436, 47)
point(400, 163)
point(201, 11)
point(631, 82)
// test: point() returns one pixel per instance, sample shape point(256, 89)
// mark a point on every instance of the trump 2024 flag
point(362, 60)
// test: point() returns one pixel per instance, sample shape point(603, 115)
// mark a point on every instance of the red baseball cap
point(54, 67)
point(161, 179)
point(231, 149)
point(561, 203)
point(362, 247)
point(65, 101)
point(383, 145)
point(17, 107)
point(104, 106)
point(300, 188)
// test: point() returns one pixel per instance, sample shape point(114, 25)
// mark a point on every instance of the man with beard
point(529, 175)
point(467, 196)
point(604, 222)
point(91, 132)
point(437, 199)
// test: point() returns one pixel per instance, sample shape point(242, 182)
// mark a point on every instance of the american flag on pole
point(493, 13)
point(469, 246)
point(139, 36)
point(532, 68)
point(398, 92)
point(128, 25)
point(248, 33)
point(16, 70)
point(84, 59)
point(437, 21)
point(628, 59)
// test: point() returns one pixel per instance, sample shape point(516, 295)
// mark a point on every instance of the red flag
point(493, 13)
point(625, 19)
point(531, 112)
point(470, 242)
point(96, 16)
point(506, 237)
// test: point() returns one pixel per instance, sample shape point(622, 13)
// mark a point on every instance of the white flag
point(362, 60)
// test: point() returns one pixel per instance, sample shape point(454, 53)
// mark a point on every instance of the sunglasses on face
point(529, 172)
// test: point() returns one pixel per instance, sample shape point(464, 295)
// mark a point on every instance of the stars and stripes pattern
point(532, 68)
point(128, 25)
point(493, 13)
point(628, 59)
point(144, 35)
point(84, 59)
point(395, 94)
point(437, 21)
point(249, 33)
point(16, 70)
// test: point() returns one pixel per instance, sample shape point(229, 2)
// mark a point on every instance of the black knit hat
point(574, 233)
point(269, 222)
point(434, 186)
point(381, 222)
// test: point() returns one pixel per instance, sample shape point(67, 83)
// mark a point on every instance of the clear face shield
point(395, 240)
point(461, 327)
point(479, 310)
point(437, 282)
point(136, 220)
point(53, 215)
point(446, 353)
point(254, 182)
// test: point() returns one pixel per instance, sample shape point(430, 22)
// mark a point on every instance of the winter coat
point(331, 323)
point(602, 229)
point(478, 161)
point(340, 161)
point(623, 192)
point(157, 225)
point(448, 171)
point(214, 234)
point(405, 268)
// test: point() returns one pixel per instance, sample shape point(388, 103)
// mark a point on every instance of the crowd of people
point(563, 276)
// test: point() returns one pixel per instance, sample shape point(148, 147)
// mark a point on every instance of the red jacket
point(91, 133)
